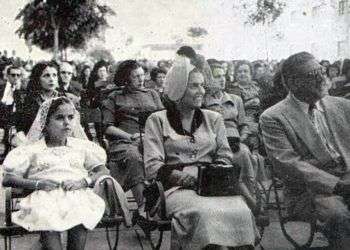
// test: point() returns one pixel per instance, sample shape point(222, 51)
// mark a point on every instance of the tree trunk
point(55, 46)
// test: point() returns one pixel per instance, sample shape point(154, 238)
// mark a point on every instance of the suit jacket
point(7, 114)
point(296, 150)
point(74, 88)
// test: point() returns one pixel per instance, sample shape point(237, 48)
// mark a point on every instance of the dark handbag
point(217, 180)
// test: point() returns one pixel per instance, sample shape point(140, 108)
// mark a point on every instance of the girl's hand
point(74, 185)
point(47, 185)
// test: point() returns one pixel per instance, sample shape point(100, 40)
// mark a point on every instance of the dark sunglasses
point(66, 72)
point(16, 75)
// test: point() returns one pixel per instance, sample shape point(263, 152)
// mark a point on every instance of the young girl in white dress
point(59, 166)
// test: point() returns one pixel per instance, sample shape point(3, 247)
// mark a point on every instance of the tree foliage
point(75, 22)
point(265, 11)
point(197, 32)
point(101, 53)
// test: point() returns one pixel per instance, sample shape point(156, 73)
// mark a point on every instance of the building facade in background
point(321, 27)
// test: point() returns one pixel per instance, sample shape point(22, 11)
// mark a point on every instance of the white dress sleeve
point(17, 161)
point(94, 155)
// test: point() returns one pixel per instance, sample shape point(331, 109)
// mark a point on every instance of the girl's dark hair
point(34, 85)
point(82, 79)
point(155, 72)
point(94, 77)
point(123, 72)
point(56, 103)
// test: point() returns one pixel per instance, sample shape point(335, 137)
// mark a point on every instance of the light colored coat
point(299, 156)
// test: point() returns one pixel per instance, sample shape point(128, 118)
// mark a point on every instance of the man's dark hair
point(186, 51)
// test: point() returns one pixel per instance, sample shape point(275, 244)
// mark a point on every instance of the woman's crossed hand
point(74, 185)
point(69, 185)
point(47, 185)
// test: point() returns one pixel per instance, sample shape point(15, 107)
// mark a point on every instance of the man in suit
point(306, 137)
point(66, 84)
point(11, 94)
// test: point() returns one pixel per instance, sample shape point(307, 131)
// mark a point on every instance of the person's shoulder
point(158, 114)
point(277, 109)
point(76, 85)
point(339, 101)
point(211, 115)
point(115, 93)
point(233, 97)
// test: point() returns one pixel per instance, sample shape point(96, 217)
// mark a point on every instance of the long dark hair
point(94, 77)
point(82, 78)
point(34, 85)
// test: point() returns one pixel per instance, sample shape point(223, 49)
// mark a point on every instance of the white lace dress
point(57, 210)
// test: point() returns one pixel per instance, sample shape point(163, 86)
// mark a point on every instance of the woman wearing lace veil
point(58, 165)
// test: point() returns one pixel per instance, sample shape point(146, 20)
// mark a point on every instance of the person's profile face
point(66, 72)
point(243, 73)
point(347, 74)
point(193, 97)
point(60, 124)
point(312, 86)
point(137, 79)
point(48, 79)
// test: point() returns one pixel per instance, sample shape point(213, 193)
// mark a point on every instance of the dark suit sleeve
point(288, 163)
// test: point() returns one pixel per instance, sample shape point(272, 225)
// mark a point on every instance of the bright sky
point(157, 22)
point(146, 22)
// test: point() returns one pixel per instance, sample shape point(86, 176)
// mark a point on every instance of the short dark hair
point(123, 72)
point(155, 72)
point(11, 67)
point(292, 65)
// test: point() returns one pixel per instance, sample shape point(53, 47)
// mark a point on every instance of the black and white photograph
point(175, 124)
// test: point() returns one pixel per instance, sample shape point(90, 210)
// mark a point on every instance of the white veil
point(36, 131)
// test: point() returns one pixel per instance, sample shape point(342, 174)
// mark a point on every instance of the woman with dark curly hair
point(42, 85)
point(96, 84)
point(121, 119)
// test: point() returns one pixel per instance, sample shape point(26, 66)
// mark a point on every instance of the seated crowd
point(162, 123)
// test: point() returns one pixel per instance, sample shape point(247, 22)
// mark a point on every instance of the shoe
point(262, 220)
point(147, 226)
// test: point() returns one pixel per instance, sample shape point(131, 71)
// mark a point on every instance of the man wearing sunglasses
point(10, 94)
point(306, 137)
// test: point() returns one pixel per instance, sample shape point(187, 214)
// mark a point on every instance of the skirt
point(198, 221)
point(59, 210)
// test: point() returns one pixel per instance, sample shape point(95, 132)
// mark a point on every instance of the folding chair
point(287, 222)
